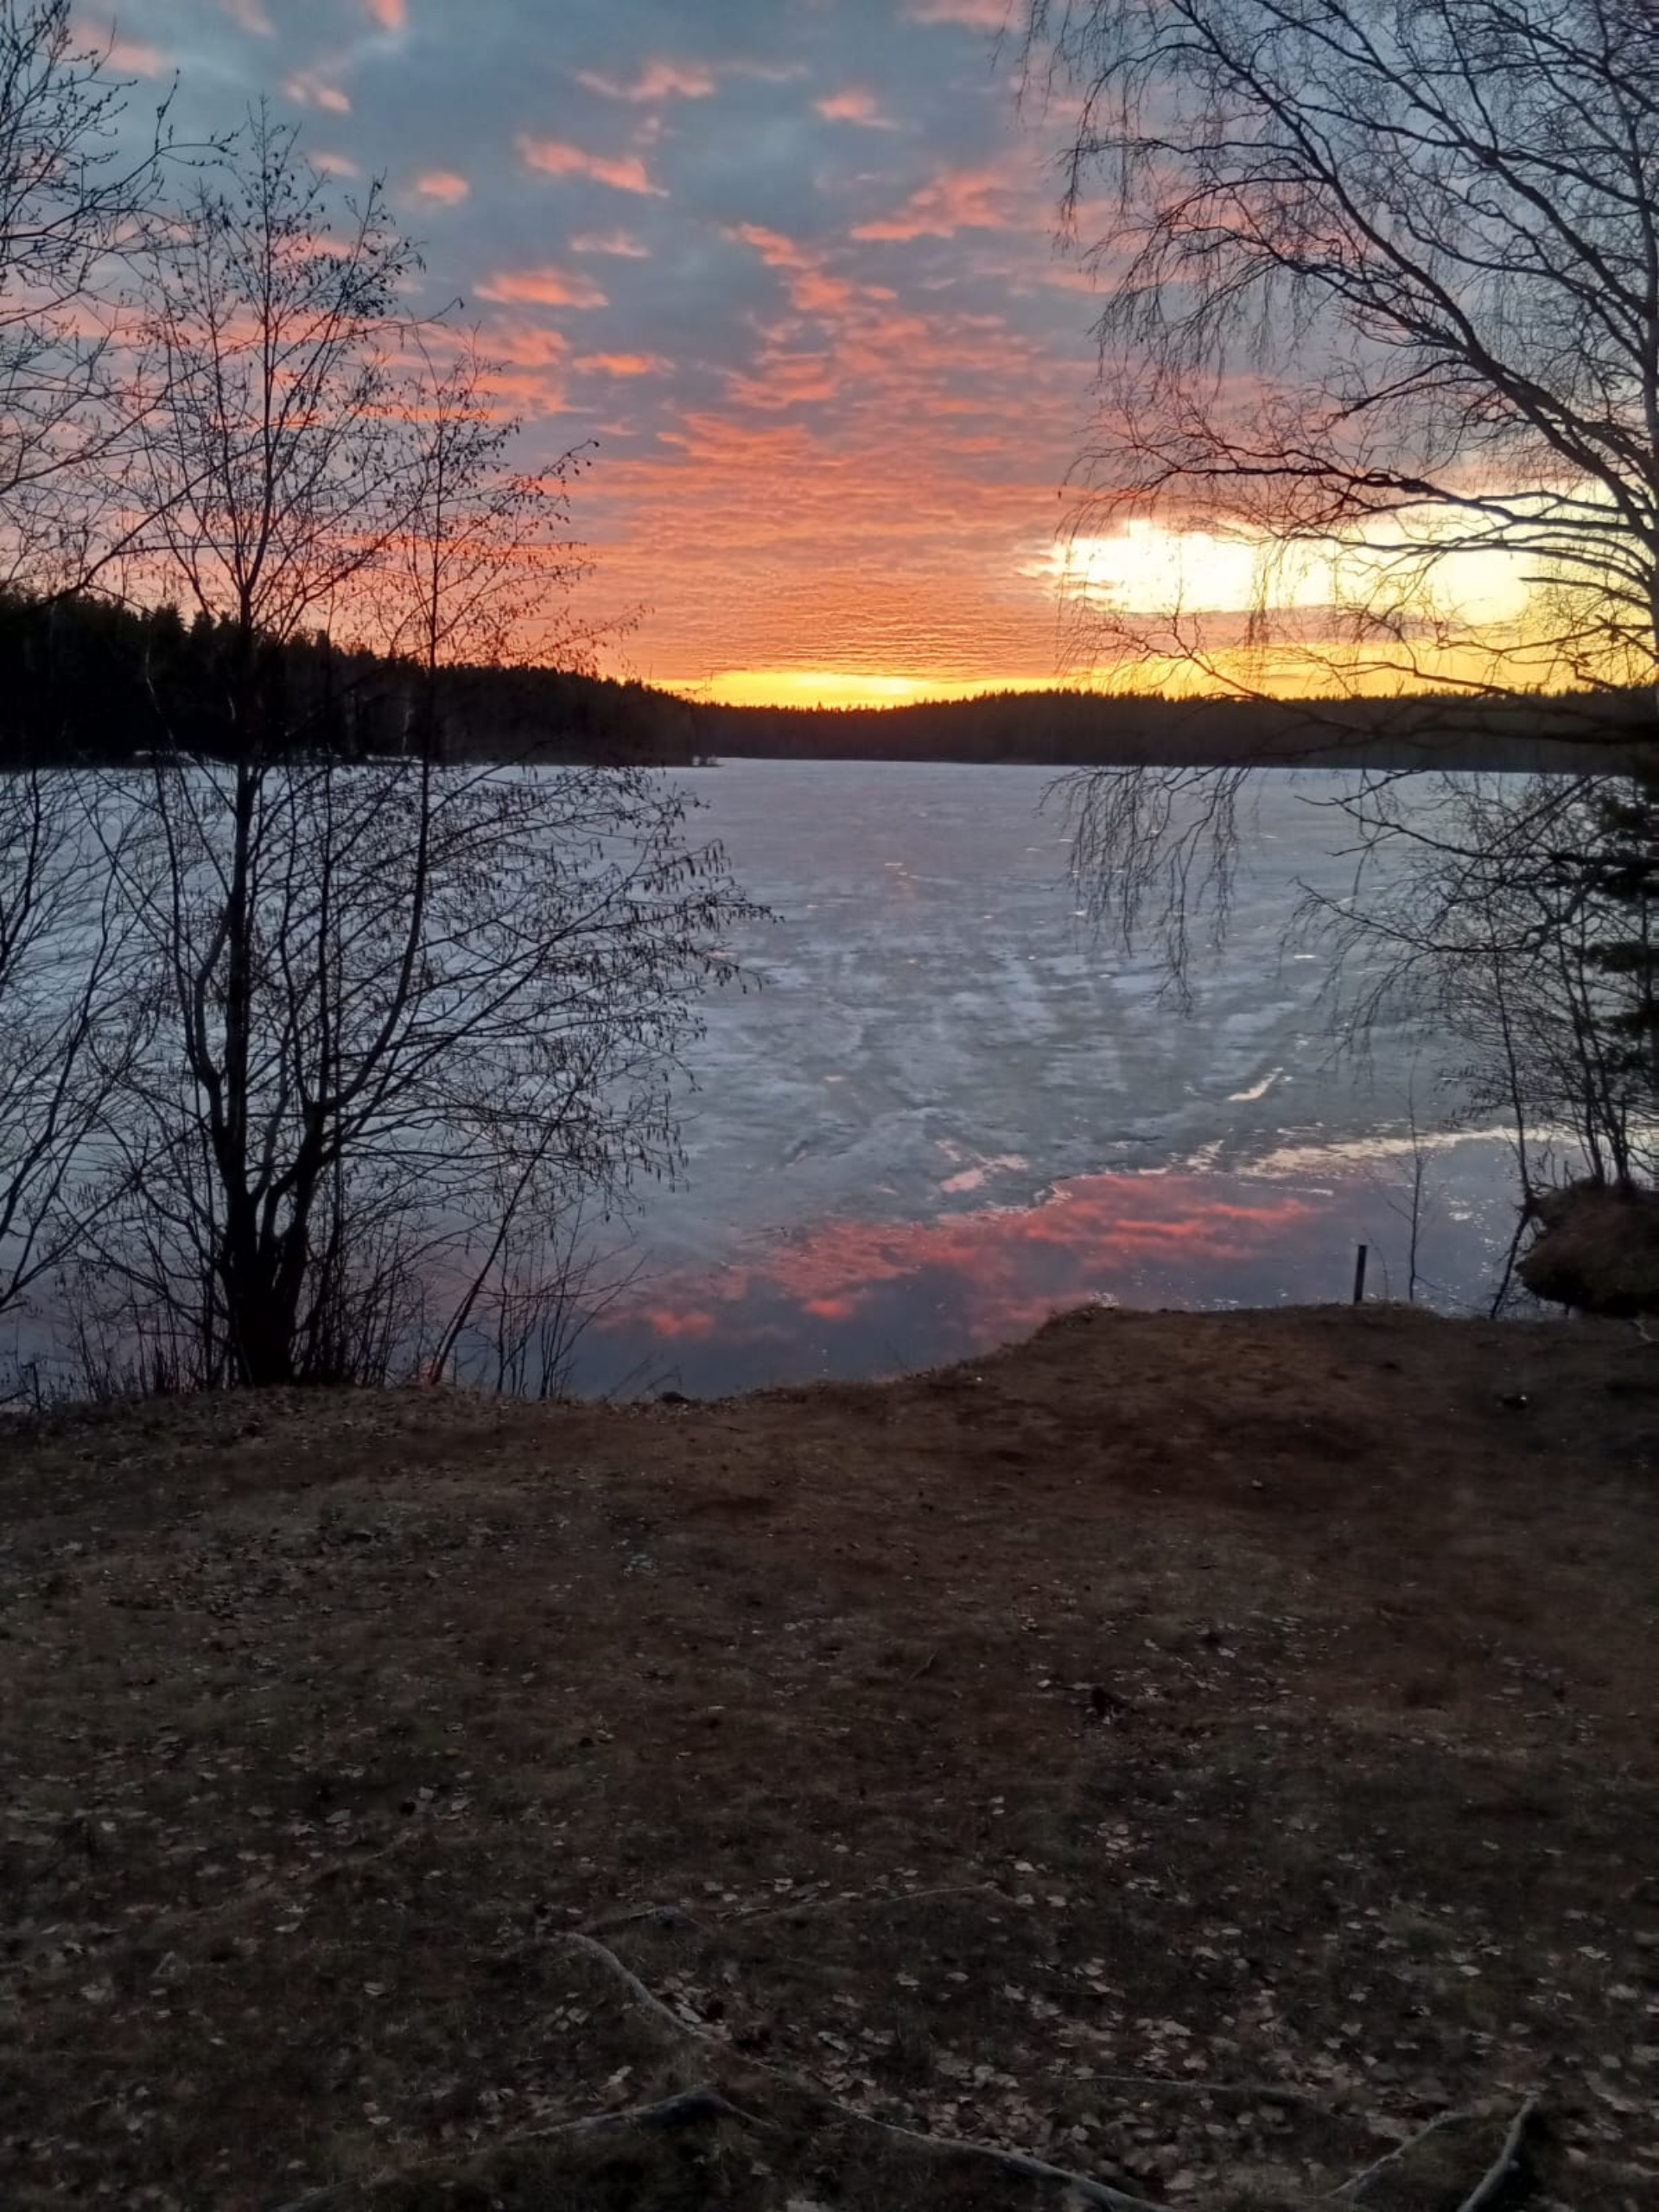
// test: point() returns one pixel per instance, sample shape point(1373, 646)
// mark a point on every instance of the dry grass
point(1196, 1751)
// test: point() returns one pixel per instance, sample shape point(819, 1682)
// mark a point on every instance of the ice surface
point(940, 1032)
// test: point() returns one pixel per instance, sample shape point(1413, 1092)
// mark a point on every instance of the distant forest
point(83, 680)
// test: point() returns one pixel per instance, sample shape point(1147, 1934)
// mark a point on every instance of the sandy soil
point(1199, 1752)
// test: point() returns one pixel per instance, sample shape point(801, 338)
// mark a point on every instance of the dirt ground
point(1196, 1751)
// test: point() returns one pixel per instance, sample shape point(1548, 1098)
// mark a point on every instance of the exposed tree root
point(689, 2108)
point(873, 1901)
point(1082, 2188)
point(1354, 2191)
point(667, 1919)
point(1487, 2188)
point(1252, 2092)
point(685, 2110)
point(1079, 2188)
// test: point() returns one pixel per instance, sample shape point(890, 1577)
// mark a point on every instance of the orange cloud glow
point(129, 58)
point(625, 173)
point(520, 348)
point(391, 14)
point(835, 687)
point(972, 15)
point(328, 164)
point(443, 185)
point(1004, 1269)
point(658, 81)
point(542, 287)
point(961, 199)
point(854, 106)
point(624, 364)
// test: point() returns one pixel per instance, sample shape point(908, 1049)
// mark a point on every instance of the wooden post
point(1359, 1275)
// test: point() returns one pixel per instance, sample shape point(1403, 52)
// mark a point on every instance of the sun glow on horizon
point(839, 687)
point(1153, 610)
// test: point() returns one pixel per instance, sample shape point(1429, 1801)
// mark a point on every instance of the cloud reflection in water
point(851, 1297)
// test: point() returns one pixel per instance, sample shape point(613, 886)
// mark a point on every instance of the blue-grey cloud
point(790, 262)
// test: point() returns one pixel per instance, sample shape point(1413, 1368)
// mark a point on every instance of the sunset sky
point(790, 263)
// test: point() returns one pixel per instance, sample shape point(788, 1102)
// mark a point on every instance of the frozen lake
point(952, 1107)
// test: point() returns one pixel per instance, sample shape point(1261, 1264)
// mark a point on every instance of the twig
point(690, 2106)
point(1265, 2092)
point(926, 1667)
point(1079, 2186)
point(646, 1999)
point(1355, 2190)
point(871, 1899)
point(1486, 2189)
point(669, 1918)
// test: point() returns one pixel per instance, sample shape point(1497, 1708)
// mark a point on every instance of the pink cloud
point(553, 157)
point(251, 16)
point(812, 289)
point(658, 81)
point(624, 364)
point(329, 164)
point(854, 106)
point(961, 199)
point(973, 15)
point(526, 349)
point(443, 185)
point(622, 244)
point(308, 89)
point(785, 379)
point(773, 248)
point(542, 287)
point(391, 14)
point(129, 58)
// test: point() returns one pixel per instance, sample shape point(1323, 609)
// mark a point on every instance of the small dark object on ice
point(1515, 1402)
point(672, 1398)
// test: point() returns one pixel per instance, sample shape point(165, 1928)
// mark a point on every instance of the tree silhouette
point(1382, 300)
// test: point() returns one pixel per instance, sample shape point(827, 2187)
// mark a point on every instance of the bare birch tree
point(78, 197)
point(1381, 302)
point(1384, 299)
point(402, 1013)
point(79, 200)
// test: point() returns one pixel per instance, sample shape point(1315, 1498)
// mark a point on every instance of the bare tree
point(80, 193)
point(1494, 923)
point(276, 457)
point(478, 576)
point(1381, 303)
point(69, 1029)
point(78, 198)
point(1384, 300)
point(402, 1013)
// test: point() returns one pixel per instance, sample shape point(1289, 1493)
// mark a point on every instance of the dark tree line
point(90, 681)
